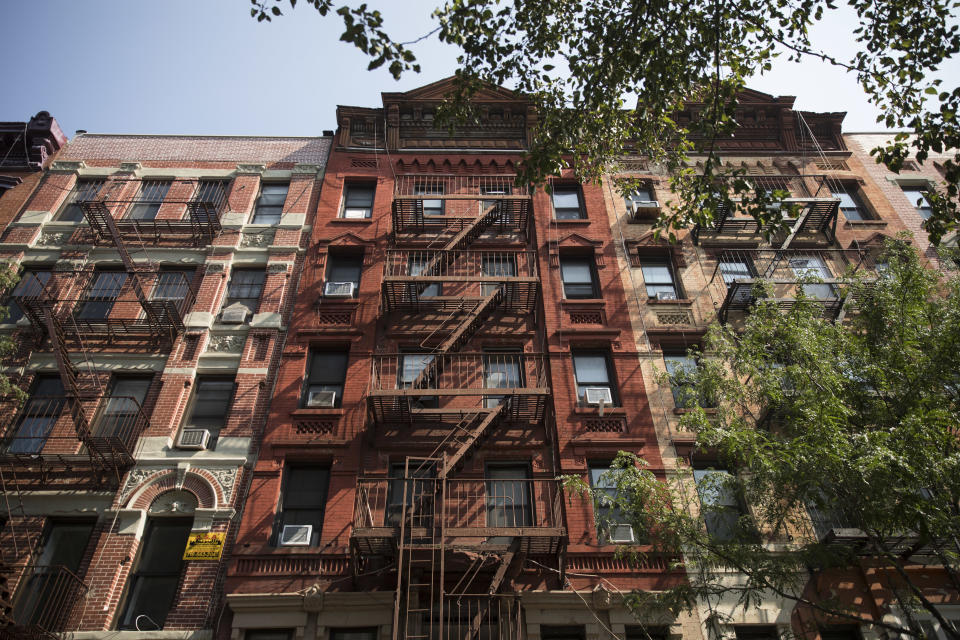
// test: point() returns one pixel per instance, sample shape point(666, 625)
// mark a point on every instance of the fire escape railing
point(818, 273)
point(111, 305)
point(140, 214)
point(813, 206)
point(425, 386)
point(438, 203)
point(44, 601)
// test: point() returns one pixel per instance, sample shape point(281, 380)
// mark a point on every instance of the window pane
point(566, 198)
point(657, 273)
point(211, 402)
point(576, 271)
point(358, 201)
point(172, 285)
point(345, 269)
point(917, 195)
point(65, 544)
point(306, 488)
point(591, 368)
point(148, 201)
point(328, 367)
point(150, 600)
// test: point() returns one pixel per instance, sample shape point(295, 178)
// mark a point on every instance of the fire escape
point(457, 542)
point(812, 214)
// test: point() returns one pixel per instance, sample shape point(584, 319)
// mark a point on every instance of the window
point(343, 269)
point(121, 413)
point(303, 500)
point(659, 278)
point(756, 632)
point(358, 200)
point(270, 203)
point(431, 207)
point(411, 366)
point(31, 284)
point(63, 547)
point(416, 264)
point(245, 288)
point(172, 284)
point(369, 633)
point(420, 490)
point(592, 372)
point(38, 415)
point(648, 633)
point(917, 195)
point(579, 277)
point(509, 503)
point(98, 299)
point(720, 507)
point(612, 523)
point(148, 201)
point(497, 264)
point(268, 634)
point(154, 584)
point(211, 404)
point(210, 194)
point(554, 632)
point(681, 367)
point(850, 202)
point(501, 370)
point(327, 372)
point(492, 191)
point(814, 266)
point(736, 267)
point(84, 191)
point(567, 204)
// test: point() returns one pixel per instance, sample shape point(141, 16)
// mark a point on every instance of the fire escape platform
point(400, 405)
point(402, 294)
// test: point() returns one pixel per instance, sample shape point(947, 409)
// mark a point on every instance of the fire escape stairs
point(68, 373)
point(466, 439)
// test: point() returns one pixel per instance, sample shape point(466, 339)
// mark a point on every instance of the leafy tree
point(843, 442)
point(607, 75)
point(9, 391)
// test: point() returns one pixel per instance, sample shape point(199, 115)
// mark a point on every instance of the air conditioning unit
point(234, 314)
point(296, 535)
point(339, 289)
point(599, 395)
point(666, 295)
point(622, 534)
point(644, 207)
point(193, 439)
point(322, 399)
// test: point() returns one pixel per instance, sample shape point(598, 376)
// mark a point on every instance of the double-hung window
point(358, 200)
point(148, 201)
point(415, 486)
point(594, 378)
point(211, 404)
point(269, 205)
point(659, 278)
point(612, 523)
point(850, 202)
point(497, 264)
point(431, 206)
point(172, 285)
point(509, 503)
point(304, 499)
point(567, 202)
point(207, 200)
point(326, 374)
point(343, 274)
point(100, 296)
point(501, 370)
point(83, 191)
point(681, 367)
point(417, 263)
point(153, 586)
point(245, 288)
point(720, 506)
point(38, 416)
point(31, 284)
point(814, 267)
point(412, 365)
point(917, 195)
point(121, 413)
point(579, 277)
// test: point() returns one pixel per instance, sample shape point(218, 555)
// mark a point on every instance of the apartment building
point(846, 207)
point(158, 282)
point(459, 341)
point(26, 149)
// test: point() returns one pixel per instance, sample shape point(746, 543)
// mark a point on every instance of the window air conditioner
point(644, 208)
point(666, 295)
point(598, 395)
point(322, 399)
point(621, 533)
point(193, 439)
point(339, 289)
point(296, 535)
point(234, 314)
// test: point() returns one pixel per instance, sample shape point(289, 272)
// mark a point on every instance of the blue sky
point(206, 67)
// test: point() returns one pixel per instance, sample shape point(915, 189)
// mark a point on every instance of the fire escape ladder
point(68, 373)
point(99, 215)
point(419, 596)
point(472, 323)
point(472, 231)
point(473, 439)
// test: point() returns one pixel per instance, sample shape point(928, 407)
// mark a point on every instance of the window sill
point(866, 224)
point(351, 220)
point(572, 221)
point(593, 411)
point(334, 300)
point(582, 302)
point(677, 302)
point(679, 412)
point(305, 412)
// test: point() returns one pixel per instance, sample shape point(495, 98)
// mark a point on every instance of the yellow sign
point(204, 546)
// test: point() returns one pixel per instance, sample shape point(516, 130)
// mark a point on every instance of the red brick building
point(458, 342)
point(26, 149)
point(158, 281)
